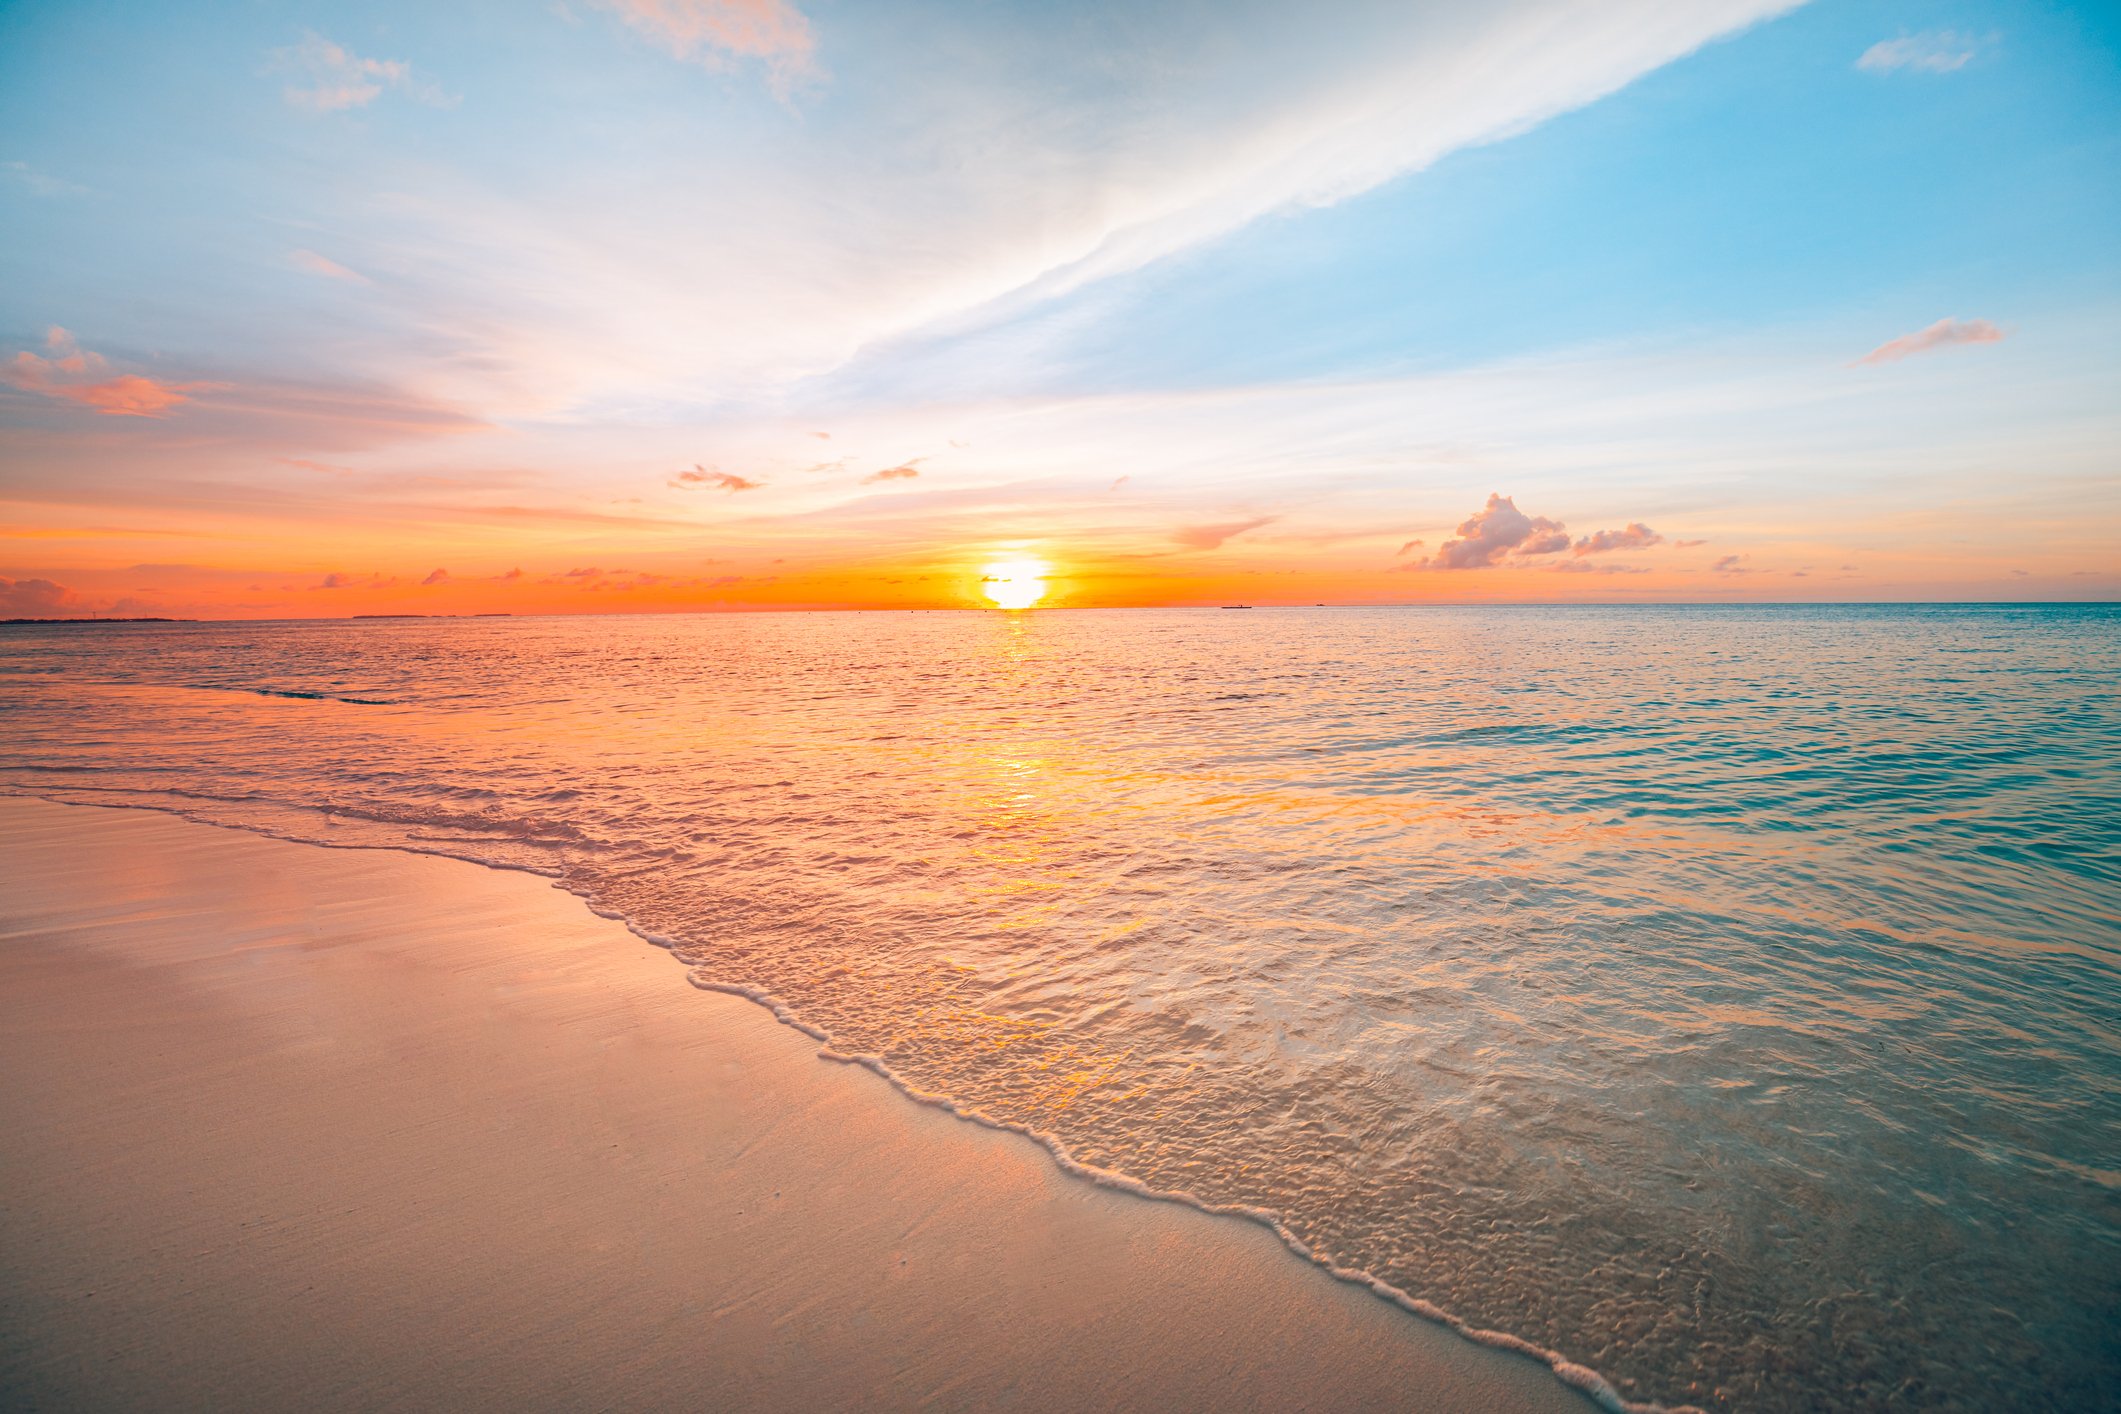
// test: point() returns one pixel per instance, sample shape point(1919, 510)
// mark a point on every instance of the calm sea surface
point(1728, 999)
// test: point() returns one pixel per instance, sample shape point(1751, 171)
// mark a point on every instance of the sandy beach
point(292, 1127)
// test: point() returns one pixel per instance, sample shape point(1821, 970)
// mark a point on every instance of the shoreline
point(589, 1096)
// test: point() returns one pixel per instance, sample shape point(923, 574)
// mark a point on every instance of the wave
point(1577, 1376)
point(298, 693)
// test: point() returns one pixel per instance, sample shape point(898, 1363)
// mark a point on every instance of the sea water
point(1726, 999)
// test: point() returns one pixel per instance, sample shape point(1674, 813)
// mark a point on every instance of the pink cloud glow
point(702, 30)
point(72, 374)
point(1944, 334)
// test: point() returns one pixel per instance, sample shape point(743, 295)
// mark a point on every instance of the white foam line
point(1580, 1377)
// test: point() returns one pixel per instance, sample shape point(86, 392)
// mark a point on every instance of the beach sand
point(293, 1127)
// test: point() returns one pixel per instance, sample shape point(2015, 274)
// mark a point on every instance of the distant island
point(148, 620)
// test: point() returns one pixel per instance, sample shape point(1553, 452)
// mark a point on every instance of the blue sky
point(482, 281)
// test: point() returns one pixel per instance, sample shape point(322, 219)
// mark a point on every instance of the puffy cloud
point(1932, 52)
point(1494, 531)
point(711, 32)
point(334, 78)
point(1210, 537)
point(336, 581)
point(32, 598)
point(719, 480)
point(893, 473)
point(72, 374)
point(1944, 334)
point(437, 576)
point(1636, 536)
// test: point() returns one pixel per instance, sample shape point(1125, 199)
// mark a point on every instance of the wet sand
point(285, 1126)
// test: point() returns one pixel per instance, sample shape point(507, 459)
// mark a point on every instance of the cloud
point(330, 269)
point(32, 598)
point(1931, 52)
point(335, 581)
point(1944, 334)
point(511, 576)
point(1410, 545)
point(74, 375)
point(1579, 567)
point(1687, 544)
point(338, 79)
point(1729, 565)
point(39, 182)
point(437, 576)
point(894, 473)
point(1210, 537)
point(719, 480)
point(1637, 536)
point(1494, 531)
point(711, 32)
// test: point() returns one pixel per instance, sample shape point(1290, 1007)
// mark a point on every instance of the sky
point(313, 309)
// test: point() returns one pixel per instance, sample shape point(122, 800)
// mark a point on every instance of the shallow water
point(1728, 999)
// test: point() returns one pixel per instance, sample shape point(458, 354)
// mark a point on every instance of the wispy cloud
point(1931, 52)
point(1211, 537)
point(719, 480)
point(333, 78)
point(715, 32)
point(72, 374)
point(324, 265)
point(905, 472)
point(1944, 334)
point(1636, 536)
point(434, 577)
point(38, 182)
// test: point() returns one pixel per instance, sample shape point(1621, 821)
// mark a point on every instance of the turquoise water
point(1726, 999)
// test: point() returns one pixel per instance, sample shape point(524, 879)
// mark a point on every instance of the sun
point(1015, 584)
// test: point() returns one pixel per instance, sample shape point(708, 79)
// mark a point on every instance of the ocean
point(1727, 999)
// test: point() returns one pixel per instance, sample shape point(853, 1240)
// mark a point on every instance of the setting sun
point(1015, 584)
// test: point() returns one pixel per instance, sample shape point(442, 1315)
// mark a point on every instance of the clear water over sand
point(1729, 999)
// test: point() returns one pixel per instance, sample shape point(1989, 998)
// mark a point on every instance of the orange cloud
point(32, 598)
point(1944, 334)
point(72, 374)
point(893, 473)
point(720, 480)
point(1210, 537)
